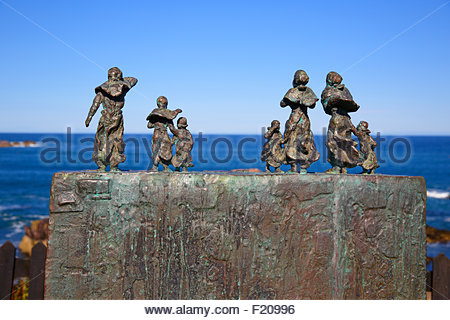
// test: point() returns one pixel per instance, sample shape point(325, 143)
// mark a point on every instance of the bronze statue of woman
point(298, 137)
point(338, 102)
point(109, 146)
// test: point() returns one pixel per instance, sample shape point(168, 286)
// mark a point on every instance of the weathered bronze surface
point(182, 139)
point(298, 137)
point(160, 119)
point(273, 153)
point(155, 235)
point(367, 158)
point(338, 102)
point(109, 145)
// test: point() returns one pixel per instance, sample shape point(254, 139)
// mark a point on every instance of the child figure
point(159, 119)
point(182, 139)
point(367, 158)
point(273, 153)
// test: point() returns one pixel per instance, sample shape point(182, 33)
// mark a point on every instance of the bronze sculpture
point(160, 119)
point(367, 158)
point(109, 146)
point(338, 102)
point(273, 153)
point(182, 139)
point(298, 137)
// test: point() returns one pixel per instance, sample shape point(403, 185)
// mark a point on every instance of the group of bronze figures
point(297, 147)
point(109, 145)
point(160, 119)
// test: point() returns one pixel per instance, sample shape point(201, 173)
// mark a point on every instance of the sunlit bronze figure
point(338, 102)
point(109, 145)
point(160, 119)
point(183, 141)
point(367, 158)
point(298, 137)
point(273, 152)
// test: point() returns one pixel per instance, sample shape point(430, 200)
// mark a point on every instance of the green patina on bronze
point(150, 235)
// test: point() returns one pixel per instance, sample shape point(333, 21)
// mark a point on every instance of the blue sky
point(227, 64)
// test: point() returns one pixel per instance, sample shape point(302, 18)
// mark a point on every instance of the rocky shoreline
point(437, 235)
point(9, 144)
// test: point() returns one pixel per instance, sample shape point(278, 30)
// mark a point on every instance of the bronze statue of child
point(273, 152)
point(338, 102)
point(367, 158)
point(160, 119)
point(298, 137)
point(182, 139)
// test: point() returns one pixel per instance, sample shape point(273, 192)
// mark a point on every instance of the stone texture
point(141, 235)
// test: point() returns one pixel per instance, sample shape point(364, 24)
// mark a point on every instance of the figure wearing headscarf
point(298, 137)
point(109, 146)
point(273, 152)
point(182, 139)
point(367, 158)
point(160, 119)
point(338, 102)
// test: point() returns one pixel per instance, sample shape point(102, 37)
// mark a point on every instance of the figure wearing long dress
point(367, 158)
point(273, 152)
point(183, 141)
point(298, 137)
point(159, 120)
point(338, 102)
point(109, 145)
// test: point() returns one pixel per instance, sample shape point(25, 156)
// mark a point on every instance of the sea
point(26, 172)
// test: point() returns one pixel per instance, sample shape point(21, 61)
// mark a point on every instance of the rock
point(34, 234)
point(28, 143)
point(5, 144)
point(143, 235)
point(9, 144)
point(437, 235)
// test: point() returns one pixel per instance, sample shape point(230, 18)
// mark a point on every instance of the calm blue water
point(26, 173)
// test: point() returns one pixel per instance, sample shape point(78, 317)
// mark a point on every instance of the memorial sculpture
point(273, 153)
point(338, 102)
point(160, 119)
point(109, 145)
point(298, 137)
point(237, 235)
point(182, 139)
point(367, 158)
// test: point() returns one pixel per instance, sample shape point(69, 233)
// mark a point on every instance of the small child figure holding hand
point(367, 158)
point(273, 153)
point(182, 139)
